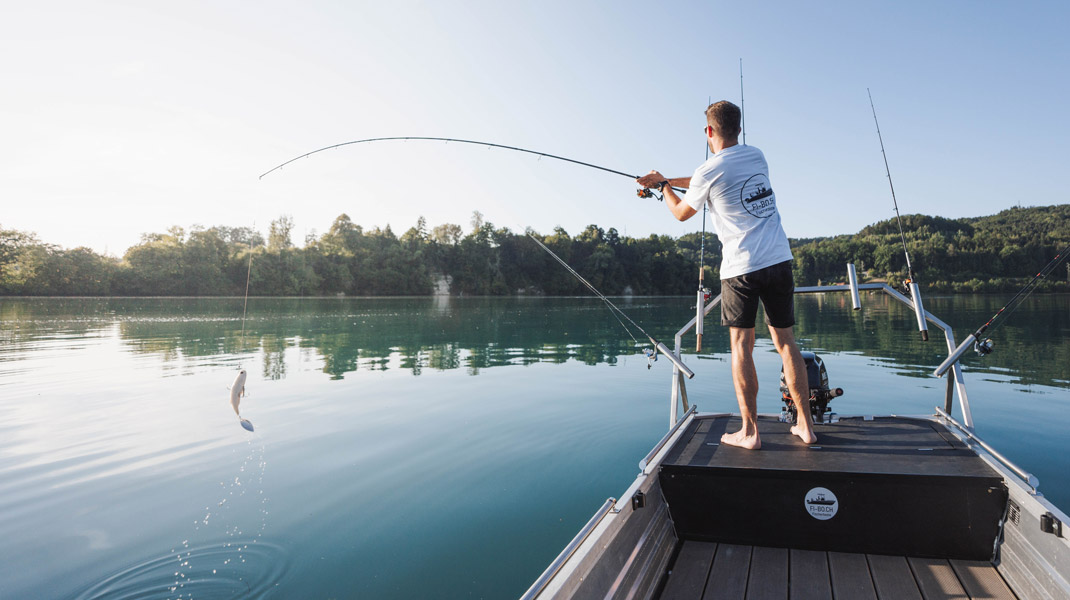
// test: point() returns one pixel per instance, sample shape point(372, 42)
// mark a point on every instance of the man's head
point(724, 118)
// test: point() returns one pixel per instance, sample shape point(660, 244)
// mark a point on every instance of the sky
point(119, 119)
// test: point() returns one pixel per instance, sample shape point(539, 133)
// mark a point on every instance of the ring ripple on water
point(231, 569)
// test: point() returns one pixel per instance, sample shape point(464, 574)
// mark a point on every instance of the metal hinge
point(1050, 524)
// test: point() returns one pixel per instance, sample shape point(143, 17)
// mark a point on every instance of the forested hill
point(994, 253)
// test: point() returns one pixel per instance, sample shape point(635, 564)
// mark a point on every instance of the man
point(756, 263)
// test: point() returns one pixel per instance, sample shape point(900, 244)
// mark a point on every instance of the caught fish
point(237, 390)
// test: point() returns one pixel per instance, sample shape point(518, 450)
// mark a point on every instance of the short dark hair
point(724, 117)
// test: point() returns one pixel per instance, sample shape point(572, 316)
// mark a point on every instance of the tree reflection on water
point(344, 335)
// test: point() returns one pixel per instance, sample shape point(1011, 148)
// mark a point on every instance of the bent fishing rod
point(642, 192)
point(984, 347)
point(915, 291)
point(618, 313)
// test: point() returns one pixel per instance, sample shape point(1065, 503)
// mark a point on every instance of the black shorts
point(773, 285)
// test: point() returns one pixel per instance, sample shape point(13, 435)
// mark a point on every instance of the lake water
point(410, 448)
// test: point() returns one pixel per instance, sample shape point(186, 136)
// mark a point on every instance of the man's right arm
point(653, 178)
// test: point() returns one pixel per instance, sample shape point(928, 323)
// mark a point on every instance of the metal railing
point(956, 385)
point(1025, 475)
point(547, 575)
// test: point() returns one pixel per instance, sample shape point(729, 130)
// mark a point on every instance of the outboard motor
point(820, 394)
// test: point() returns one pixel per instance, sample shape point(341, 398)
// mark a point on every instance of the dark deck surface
point(883, 445)
point(706, 570)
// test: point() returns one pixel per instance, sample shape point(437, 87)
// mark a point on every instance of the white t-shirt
point(735, 183)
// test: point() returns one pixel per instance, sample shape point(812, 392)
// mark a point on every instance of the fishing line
point(658, 346)
point(245, 306)
point(984, 347)
point(642, 193)
point(237, 389)
point(915, 291)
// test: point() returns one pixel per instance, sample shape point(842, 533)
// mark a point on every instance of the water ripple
point(232, 569)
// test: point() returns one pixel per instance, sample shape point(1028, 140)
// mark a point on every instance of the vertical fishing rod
point(742, 118)
point(915, 291)
point(703, 293)
point(658, 346)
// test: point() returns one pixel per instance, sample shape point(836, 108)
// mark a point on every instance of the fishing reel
point(706, 293)
point(651, 357)
point(820, 392)
point(649, 193)
point(983, 347)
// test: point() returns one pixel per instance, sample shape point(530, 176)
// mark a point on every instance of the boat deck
point(707, 570)
point(883, 445)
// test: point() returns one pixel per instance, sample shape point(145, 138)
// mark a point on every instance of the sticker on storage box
point(821, 503)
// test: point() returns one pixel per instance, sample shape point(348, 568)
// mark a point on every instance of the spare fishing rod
point(984, 347)
point(658, 346)
point(915, 291)
point(742, 119)
point(703, 292)
point(642, 192)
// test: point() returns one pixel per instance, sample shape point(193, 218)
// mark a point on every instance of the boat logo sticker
point(757, 196)
point(821, 503)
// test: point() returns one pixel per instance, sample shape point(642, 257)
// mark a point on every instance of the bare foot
point(749, 442)
point(807, 436)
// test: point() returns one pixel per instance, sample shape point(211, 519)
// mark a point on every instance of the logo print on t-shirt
point(757, 196)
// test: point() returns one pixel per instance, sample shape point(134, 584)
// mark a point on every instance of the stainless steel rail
point(657, 447)
point(1025, 475)
point(958, 388)
point(544, 579)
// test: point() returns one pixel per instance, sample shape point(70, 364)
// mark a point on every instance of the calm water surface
point(408, 448)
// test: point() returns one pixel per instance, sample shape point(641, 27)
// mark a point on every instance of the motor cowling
point(820, 392)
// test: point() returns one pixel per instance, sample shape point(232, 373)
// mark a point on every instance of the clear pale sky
point(123, 118)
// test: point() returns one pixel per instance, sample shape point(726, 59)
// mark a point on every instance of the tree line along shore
point(993, 253)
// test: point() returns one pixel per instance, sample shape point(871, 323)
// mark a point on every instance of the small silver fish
point(237, 390)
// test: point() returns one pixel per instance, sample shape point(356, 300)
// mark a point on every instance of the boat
point(882, 506)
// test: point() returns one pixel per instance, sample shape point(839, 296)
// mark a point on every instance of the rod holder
point(956, 355)
point(699, 303)
point(919, 311)
point(852, 280)
point(661, 347)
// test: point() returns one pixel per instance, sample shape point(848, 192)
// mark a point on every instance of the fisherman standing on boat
point(756, 263)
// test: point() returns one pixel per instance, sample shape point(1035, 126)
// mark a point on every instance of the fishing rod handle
point(676, 361)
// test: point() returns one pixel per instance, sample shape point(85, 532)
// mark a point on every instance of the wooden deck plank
point(809, 573)
point(981, 580)
point(936, 579)
point(768, 578)
point(892, 578)
point(728, 571)
point(689, 572)
point(850, 576)
point(728, 576)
